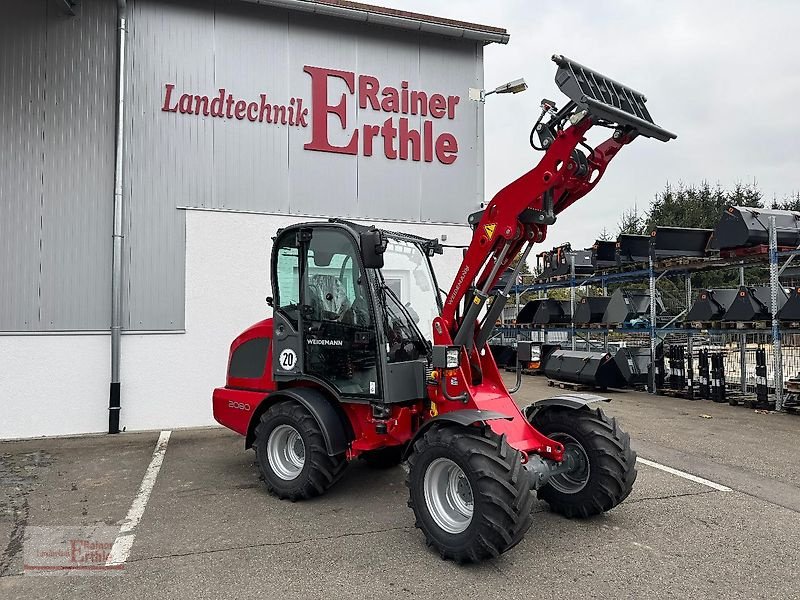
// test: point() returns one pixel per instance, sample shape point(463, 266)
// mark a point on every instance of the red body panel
point(235, 404)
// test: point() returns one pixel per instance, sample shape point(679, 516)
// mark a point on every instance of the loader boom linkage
point(519, 214)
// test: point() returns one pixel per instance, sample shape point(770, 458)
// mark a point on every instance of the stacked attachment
point(632, 249)
point(791, 309)
point(595, 369)
point(711, 305)
point(626, 306)
point(591, 309)
point(717, 388)
point(705, 374)
point(742, 227)
point(668, 242)
point(604, 254)
point(677, 369)
point(634, 365)
point(545, 311)
point(753, 304)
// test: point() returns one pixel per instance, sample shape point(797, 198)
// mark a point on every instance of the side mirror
point(373, 245)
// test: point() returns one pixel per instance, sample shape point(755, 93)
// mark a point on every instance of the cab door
point(323, 308)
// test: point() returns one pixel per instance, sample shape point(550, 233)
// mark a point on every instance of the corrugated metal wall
point(57, 76)
point(57, 92)
point(195, 161)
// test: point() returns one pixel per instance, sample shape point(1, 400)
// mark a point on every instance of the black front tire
point(500, 488)
point(319, 470)
point(611, 471)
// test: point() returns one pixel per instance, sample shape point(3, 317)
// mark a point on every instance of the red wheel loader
point(344, 369)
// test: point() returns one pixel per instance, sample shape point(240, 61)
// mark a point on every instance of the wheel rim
point(448, 495)
point(574, 480)
point(286, 452)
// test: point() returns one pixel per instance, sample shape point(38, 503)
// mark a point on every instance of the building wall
point(193, 160)
point(58, 384)
point(57, 90)
point(203, 194)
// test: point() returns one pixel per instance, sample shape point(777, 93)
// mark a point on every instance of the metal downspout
point(116, 256)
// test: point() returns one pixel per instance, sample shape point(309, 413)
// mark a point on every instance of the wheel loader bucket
point(607, 99)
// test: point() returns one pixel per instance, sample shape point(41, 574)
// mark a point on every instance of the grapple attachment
point(606, 99)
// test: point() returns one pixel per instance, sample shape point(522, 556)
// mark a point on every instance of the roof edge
point(391, 17)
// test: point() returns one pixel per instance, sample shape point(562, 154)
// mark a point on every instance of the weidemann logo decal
point(394, 136)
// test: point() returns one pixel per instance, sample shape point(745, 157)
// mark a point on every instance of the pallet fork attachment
point(606, 99)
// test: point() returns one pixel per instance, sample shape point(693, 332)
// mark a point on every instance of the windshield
point(406, 272)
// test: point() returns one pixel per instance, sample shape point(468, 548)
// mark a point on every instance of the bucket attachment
point(596, 369)
point(667, 242)
point(591, 309)
point(741, 227)
point(551, 312)
point(632, 248)
point(791, 310)
point(634, 365)
point(625, 306)
point(606, 99)
point(583, 262)
point(604, 254)
point(754, 304)
point(711, 305)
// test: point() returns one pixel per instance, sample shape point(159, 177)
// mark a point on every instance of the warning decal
point(489, 229)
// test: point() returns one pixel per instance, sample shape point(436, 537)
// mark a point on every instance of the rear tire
point(291, 453)
point(470, 494)
point(606, 467)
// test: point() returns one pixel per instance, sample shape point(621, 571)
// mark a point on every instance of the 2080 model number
point(238, 405)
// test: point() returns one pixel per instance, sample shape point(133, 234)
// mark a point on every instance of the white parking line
point(127, 531)
point(685, 475)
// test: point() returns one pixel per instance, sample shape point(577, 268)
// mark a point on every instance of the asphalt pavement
point(210, 530)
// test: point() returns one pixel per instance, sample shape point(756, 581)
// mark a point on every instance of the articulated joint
point(542, 469)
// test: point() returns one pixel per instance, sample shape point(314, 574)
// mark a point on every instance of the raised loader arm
point(519, 214)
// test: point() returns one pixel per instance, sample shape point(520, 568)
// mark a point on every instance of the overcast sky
point(723, 75)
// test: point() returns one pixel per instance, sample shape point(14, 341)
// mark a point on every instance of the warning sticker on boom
point(489, 229)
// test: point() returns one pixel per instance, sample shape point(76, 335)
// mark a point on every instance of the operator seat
point(327, 297)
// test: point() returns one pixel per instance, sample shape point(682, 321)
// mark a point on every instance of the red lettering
point(201, 101)
point(407, 136)
point(216, 104)
point(438, 105)
point(404, 96)
point(427, 136)
point(368, 92)
point(388, 131)
point(446, 148)
point(229, 106)
point(167, 97)
point(419, 103)
point(302, 113)
point(252, 112)
point(241, 108)
point(321, 109)
point(370, 131)
point(264, 108)
point(277, 109)
point(451, 106)
point(391, 100)
point(185, 104)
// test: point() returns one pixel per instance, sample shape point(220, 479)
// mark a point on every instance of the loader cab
point(344, 315)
